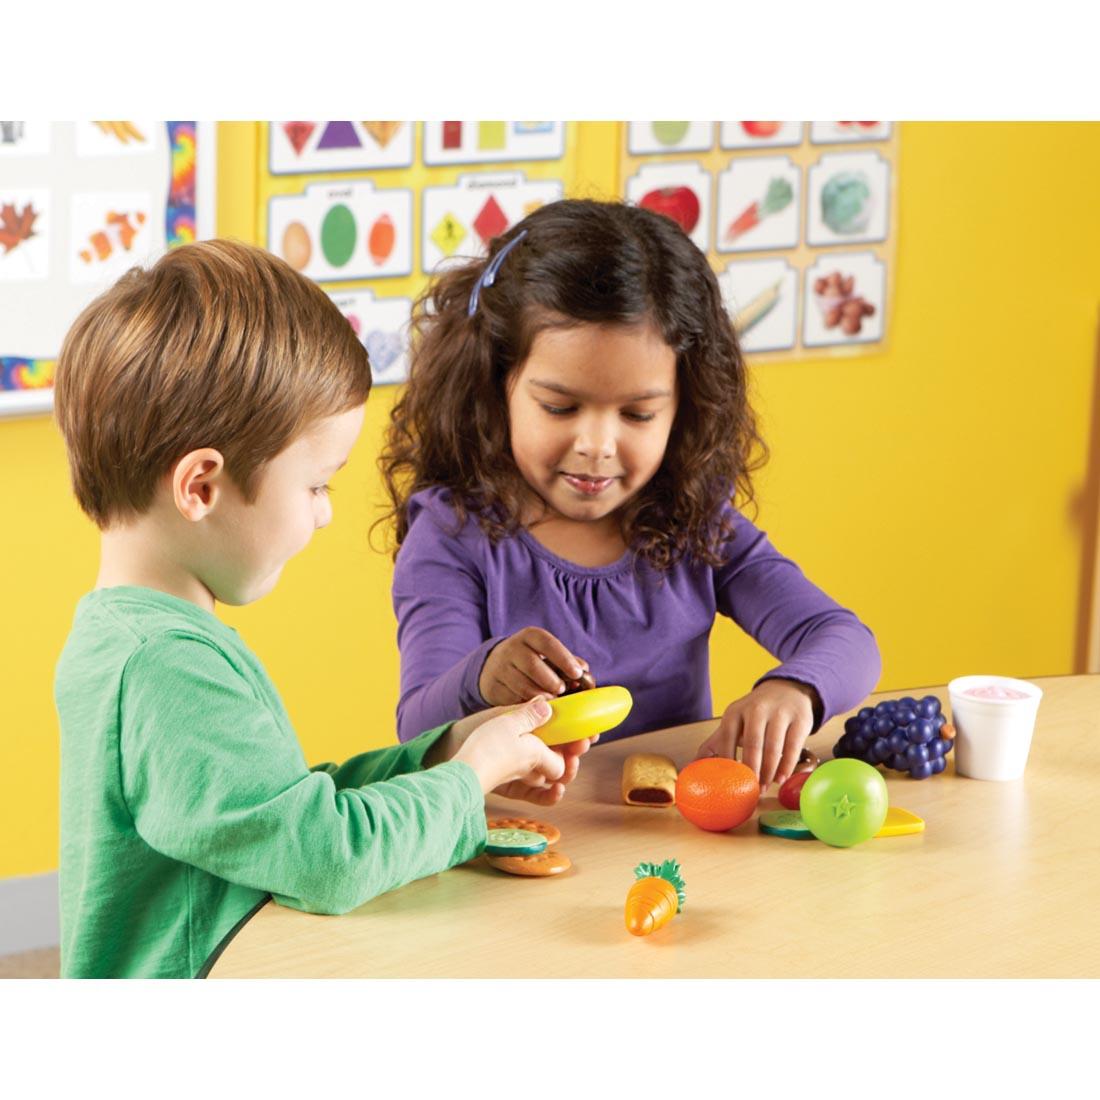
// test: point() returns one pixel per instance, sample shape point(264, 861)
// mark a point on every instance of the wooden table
point(1004, 882)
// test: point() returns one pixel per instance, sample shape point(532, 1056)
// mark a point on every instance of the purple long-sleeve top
point(457, 594)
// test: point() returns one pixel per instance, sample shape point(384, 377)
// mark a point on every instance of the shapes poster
point(349, 230)
point(80, 203)
point(487, 142)
point(382, 327)
point(338, 146)
point(778, 207)
point(461, 219)
point(386, 203)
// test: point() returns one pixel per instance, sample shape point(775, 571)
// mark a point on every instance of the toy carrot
point(655, 898)
point(777, 197)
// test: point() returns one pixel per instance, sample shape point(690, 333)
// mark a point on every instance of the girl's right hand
point(517, 670)
point(506, 754)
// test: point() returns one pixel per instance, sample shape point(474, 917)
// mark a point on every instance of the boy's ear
point(197, 482)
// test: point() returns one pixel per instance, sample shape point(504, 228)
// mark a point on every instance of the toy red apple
point(681, 204)
point(761, 129)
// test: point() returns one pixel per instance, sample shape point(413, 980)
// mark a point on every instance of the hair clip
point(489, 275)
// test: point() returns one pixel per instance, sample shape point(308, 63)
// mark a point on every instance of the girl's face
point(590, 411)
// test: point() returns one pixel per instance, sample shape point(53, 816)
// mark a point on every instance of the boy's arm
point(819, 643)
point(378, 764)
point(442, 629)
point(213, 779)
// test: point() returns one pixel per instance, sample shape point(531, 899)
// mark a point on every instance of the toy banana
point(584, 714)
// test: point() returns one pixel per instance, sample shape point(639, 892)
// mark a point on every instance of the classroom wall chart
point(80, 204)
point(370, 209)
point(797, 218)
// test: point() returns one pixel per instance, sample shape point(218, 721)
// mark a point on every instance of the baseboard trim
point(28, 913)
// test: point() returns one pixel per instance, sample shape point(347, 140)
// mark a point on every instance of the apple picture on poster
point(681, 204)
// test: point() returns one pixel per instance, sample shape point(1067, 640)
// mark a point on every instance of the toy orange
point(716, 793)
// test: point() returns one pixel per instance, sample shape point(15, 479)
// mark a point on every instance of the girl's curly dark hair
point(580, 262)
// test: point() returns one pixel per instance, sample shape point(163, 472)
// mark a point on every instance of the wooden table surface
point(1003, 882)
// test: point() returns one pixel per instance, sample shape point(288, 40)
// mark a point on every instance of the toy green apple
point(681, 204)
point(844, 802)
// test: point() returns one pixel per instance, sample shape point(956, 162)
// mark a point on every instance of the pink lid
point(995, 691)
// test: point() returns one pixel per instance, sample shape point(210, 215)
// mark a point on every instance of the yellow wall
point(935, 488)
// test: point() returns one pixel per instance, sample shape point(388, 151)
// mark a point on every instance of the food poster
point(371, 230)
point(681, 190)
point(80, 204)
point(799, 220)
point(757, 135)
point(669, 137)
point(338, 146)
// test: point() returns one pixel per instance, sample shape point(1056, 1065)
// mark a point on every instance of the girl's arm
point(819, 643)
point(442, 624)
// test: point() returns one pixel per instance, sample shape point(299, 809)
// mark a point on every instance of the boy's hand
point(505, 754)
point(517, 670)
point(770, 724)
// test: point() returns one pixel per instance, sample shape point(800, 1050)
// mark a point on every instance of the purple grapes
point(903, 734)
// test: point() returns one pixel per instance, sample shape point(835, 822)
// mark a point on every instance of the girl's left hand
point(770, 724)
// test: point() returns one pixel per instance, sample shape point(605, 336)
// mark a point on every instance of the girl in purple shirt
point(564, 465)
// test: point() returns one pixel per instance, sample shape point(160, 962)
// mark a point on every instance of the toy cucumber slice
point(585, 714)
point(514, 842)
point(787, 823)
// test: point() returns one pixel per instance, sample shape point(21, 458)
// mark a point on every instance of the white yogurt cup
point(994, 718)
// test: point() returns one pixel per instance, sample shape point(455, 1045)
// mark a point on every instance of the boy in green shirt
point(204, 404)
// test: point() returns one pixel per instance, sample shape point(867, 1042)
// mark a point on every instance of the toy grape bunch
point(906, 734)
point(655, 898)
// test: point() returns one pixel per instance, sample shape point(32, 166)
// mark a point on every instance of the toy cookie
point(545, 863)
point(649, 779)
point(551, 832)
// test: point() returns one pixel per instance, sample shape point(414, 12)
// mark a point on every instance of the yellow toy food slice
point(585, 714)
point(900, 822)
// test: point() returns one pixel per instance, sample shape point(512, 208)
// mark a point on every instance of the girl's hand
point(517, 670)
point(770, 724)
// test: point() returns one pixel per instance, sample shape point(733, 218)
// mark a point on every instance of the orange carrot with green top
point(655, 898)
point(778, 197)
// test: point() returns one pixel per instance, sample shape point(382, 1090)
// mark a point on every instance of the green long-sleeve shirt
point(185, 798)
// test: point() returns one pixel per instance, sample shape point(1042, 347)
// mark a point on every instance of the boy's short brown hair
point(218, 344)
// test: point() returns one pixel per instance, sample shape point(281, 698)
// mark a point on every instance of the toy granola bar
point(649, 779)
